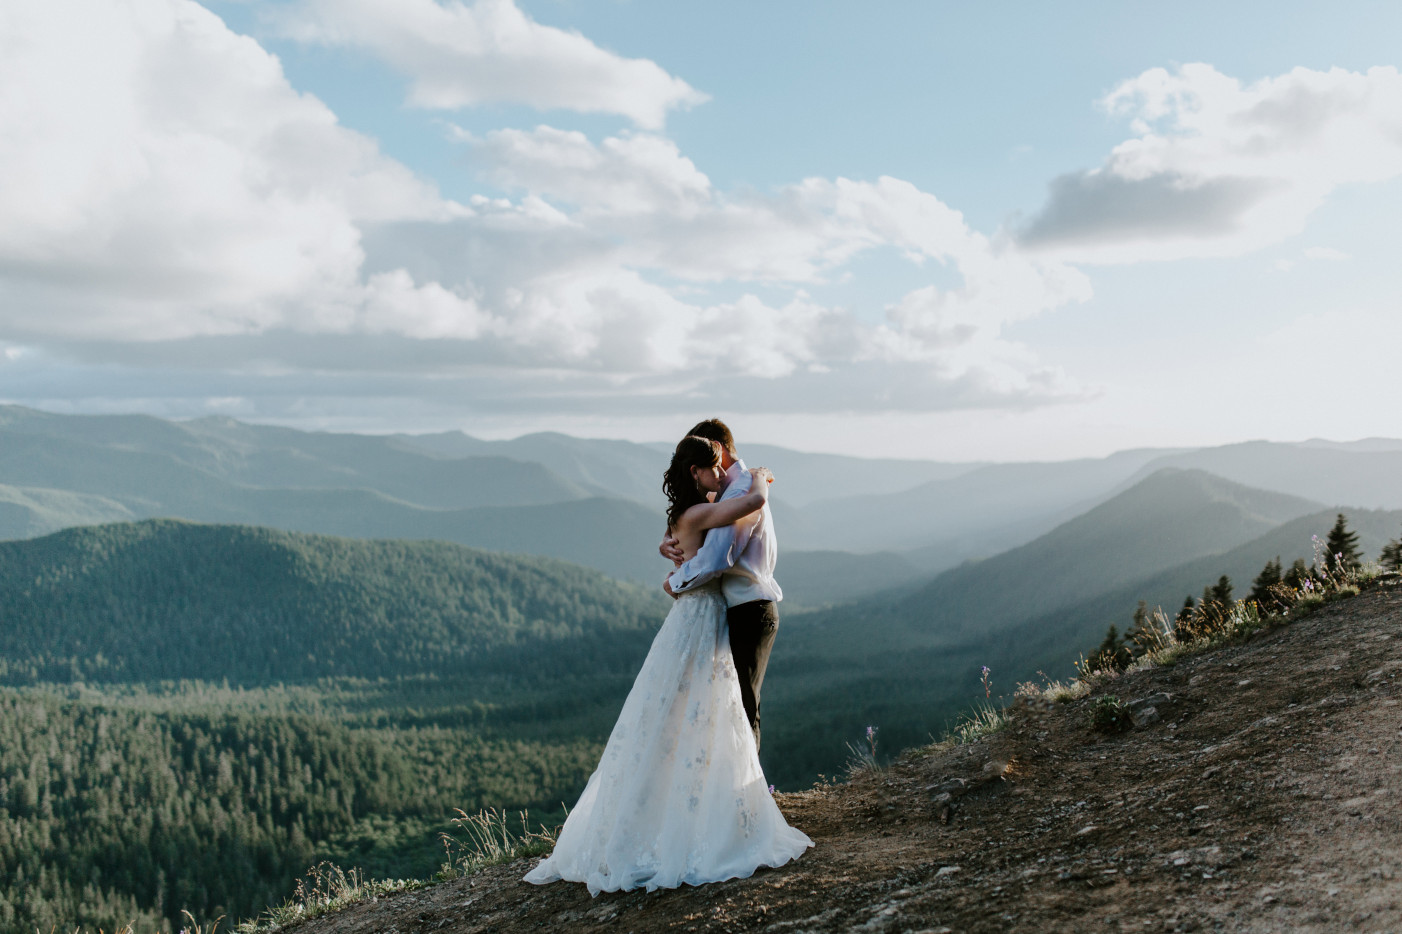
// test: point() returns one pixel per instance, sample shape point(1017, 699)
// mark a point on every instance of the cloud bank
point(460, 55)
point(186, 218)
point(1220, 168)
point(190, 205)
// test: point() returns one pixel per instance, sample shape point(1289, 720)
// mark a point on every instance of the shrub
point(1108, 715)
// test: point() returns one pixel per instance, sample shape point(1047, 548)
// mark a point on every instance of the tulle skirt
point(679, 796)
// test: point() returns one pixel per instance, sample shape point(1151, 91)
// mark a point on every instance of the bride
point(678, 796)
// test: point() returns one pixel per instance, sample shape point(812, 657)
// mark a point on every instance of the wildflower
point(771, 789)
point(871, 731)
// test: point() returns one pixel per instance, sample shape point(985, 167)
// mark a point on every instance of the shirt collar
point(736, 469)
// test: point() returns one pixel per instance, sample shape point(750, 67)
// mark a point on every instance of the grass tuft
point(325, 888)
point(487, 839)
point(984, 720)
point(477, 841)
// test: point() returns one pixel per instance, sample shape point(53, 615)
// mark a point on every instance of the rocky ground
point(1263, 792)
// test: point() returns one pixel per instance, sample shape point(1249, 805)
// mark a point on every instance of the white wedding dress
point(678, 796)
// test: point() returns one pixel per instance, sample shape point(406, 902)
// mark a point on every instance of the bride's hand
point(762, 473)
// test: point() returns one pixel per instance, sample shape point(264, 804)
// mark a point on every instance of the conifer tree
point(1114, 653)
point(1189, 608)
point(1145, 635)
point(1222, 592)
point(1391, 558)
point(1343, 553)
point(1297, 575)
point(1261, 586)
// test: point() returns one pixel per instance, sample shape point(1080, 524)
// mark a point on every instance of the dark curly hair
point(678, 483)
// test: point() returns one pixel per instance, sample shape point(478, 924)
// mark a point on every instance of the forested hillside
point(58, 471)
point(909, 664)
point(368, 688)
point(117, 808)
point(1042, 640)
point(168, 600)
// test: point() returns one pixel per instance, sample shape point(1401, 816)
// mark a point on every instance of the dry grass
point(487, 839)
point(476, 841)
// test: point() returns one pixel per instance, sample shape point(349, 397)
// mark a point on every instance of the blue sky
point(924, 230)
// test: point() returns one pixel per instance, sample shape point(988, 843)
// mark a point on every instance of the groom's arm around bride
point(743, 555)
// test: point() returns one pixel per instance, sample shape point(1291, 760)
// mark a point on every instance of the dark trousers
point(753, 627)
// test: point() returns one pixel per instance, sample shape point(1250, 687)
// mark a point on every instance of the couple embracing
point(679, 796)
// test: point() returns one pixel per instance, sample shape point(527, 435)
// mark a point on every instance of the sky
point(928, 230)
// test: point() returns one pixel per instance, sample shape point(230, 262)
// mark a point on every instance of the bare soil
point(1263, 794)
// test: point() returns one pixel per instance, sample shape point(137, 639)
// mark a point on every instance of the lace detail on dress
point(679, 796)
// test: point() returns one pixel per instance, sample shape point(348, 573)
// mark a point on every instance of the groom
point(742, 555)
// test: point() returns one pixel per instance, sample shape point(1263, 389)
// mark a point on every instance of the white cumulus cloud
point(460, 55)
point(1217, 167)
point(163, 179)
point(172, 201)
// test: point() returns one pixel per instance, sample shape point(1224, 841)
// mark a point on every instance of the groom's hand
point(667, 586)
point(671, 550)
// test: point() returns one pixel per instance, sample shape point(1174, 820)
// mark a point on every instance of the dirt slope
point(1267, 796)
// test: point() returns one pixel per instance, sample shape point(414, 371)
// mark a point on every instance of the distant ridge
point(1084, 622)
point(1361, 474)
point(909, 663)
point(161, 600)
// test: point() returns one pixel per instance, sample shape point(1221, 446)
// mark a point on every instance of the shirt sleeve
point(721, 546)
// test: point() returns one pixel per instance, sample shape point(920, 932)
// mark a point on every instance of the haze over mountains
point(909, 663)
point(1064, 548)
point(598, 502)
point(162, 600)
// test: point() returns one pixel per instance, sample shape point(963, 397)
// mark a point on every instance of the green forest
point(116, 810)
point(193, 715)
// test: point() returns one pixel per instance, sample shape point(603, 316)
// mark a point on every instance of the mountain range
point(598, 502)
point(909, 663)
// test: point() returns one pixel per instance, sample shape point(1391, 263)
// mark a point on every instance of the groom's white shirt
point(742, 554)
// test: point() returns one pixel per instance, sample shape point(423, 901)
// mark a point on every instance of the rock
point(1145, 716)
point(946, 871)
point(954, 788)
point(1160, 699)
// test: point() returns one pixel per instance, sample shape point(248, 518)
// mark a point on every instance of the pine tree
point(1343, 553)
point(1297, 575)
point(1145, 635)
point(1114, 653)
point(1261, 587)
point(1391, 558)
point(1189, 608)
point(1222, 592)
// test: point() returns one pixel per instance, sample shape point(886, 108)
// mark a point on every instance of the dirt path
point(1266, 796)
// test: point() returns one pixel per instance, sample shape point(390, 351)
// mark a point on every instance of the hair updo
point(678, 483)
